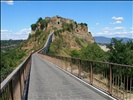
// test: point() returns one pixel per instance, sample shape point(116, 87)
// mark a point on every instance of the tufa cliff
point(68, 35)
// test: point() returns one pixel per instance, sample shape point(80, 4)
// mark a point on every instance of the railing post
point(20, 83)
point(11, 90)
point(61, 63)
point(58, 61)
point(66, 63)
point(71, 65)
point(110, 89)
point(54, 60)
point(91, 73)
point(79, 69)
point(130, 87)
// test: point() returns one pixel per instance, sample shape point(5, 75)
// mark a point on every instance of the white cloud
point(106, 29)
point(3, 31)
point(10, 2)
point(115, 32)
point(124, 34)
point(106, 32)
point(24, 31)
point(131, 28)
point(117, 22)
point(119, 28)
point(113, 29)
point(100, 33)
point(118, 33)
point(97, 23)
point(22, 34)
point(118, 18)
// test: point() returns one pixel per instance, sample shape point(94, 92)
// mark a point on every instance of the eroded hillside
point(68, 35)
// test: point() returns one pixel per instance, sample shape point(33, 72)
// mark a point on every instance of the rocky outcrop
point(56, 23)
point(68, 34)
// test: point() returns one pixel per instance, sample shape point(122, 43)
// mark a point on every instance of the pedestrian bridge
point(48, 77)
point(48, 82)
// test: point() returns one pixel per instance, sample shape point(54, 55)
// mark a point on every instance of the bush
point(44, 23)
point(39, 19)
point(33, 27)
point(75, 53)
point(55, 47)
point(67, 27)
point(57, 33)
point(78, 41)
point(37, 33)
point(83, 24)
point(93, 52)
point(75, 22)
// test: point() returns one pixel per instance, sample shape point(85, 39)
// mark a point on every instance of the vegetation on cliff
point(70, 36)
point(91, 52)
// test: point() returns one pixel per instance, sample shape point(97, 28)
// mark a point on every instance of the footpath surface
point(47, 82)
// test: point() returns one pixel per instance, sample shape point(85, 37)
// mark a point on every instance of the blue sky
point(109, 19)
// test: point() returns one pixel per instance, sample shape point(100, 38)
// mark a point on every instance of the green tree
point(75, 53)
point(43, 23)
point(10, 59)
point(40, 19)
point(33, 27)
point(120, 52)
point(93, 52)
point(83, 24)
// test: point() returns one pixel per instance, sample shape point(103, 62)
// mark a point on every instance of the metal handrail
point(7, 80)
point(116, 64)
point(13, 86)
point(100, 74)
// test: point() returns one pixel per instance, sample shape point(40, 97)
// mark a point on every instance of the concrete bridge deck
point(47, 82)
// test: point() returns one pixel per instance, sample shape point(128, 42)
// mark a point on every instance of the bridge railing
point(13, 87)
point(114, 79)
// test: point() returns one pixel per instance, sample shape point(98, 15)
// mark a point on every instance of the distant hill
point(105, 40)
point(8, 44)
